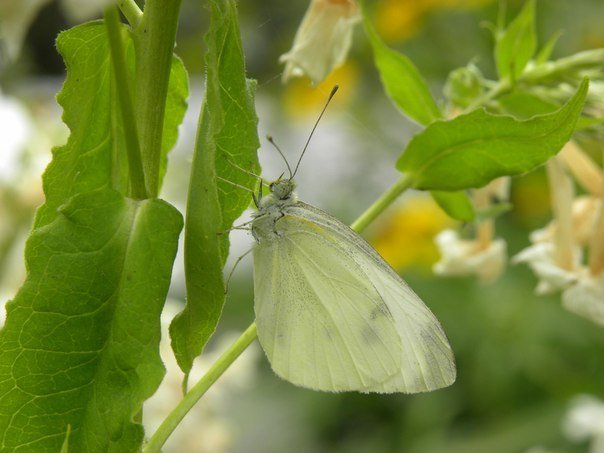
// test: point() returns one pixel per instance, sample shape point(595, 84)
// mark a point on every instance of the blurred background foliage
point(522, 360)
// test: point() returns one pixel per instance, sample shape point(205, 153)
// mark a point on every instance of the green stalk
point(218, 368)
point(154, 39)
point(225, 361)
point(118, 60)
point(381, 203)
point(131, 11)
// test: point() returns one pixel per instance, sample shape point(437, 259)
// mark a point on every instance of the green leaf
point(493, 211)
point(517, 44)
point(523, 105)
point(402, 82)
point(456, 204)
point(81, 339)
point(94, 155)
point(176, 107)
point(473, 149)
point(546, 52)
point(464, 85)
point(589, 123)
point(227, 135)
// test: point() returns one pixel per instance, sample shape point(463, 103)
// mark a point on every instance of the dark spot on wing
point(380, 310)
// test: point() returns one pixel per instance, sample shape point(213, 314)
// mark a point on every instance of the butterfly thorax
point(271, 208)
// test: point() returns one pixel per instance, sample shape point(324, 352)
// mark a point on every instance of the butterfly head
point(282, 189)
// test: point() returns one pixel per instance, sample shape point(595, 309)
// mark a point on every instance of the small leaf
point(546, 52)
point(227, 136)
point(456, 204)
point(80, 346)
point(402, 82)
point(473, 149)
point(589, 123)
point(494, 211)
point(516, 45)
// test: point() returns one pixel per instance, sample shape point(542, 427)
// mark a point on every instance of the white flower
point(585, 421)
point(483, 256)
point(583, 219)
point(322, 41)
point(552, 278)
point(17, 15)
point(586, 298)
point(556, 256)
point(16, 128)
point(465, 257)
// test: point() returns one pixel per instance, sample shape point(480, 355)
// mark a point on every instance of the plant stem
point(381, 203)
point(596, 247)
point(118, 60)
point(499, 88)
point(199, 389)
point(154, 39)
point(222, 364)
point(131, 11)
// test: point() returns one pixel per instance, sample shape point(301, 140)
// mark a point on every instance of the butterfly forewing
point(320, 321)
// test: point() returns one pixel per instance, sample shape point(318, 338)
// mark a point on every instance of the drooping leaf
point(94, 155)
point(456, 204)
point(81, 339)
point(517, 44)
point(403, 83)
point(473, 149)
point(227, 139)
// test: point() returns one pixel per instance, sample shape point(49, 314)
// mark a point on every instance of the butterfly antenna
point(272, 142)
point(331, 95)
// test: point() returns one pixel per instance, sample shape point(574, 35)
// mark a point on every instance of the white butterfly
point(331, 314)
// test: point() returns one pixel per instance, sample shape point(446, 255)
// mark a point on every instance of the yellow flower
point(323, 40)
point(301, 100)
point(406, 238)
point(397, 20)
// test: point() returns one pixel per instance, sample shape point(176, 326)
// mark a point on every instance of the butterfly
point(331, 314)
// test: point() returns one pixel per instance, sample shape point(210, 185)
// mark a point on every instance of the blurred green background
point(522, 360)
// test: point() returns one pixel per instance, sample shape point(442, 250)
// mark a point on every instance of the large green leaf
point(227, 139)
point(475, 148)
point(517, 44)
point(402, 82)
point(94, 155)
point(80, 343)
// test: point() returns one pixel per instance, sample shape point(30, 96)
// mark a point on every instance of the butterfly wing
point(333, 315)
point(320, 321)
point(427, 361)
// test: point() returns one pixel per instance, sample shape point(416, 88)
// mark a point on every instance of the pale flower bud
point(586, 298)
point(540, 258)
point(322, 41)
point(585, 421)
point(460, 257)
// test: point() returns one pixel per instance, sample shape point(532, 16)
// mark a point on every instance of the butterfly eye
point(271, 186)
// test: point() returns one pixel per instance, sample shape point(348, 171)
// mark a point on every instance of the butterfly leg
point(226, 286)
